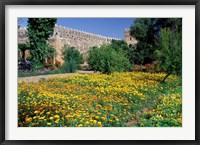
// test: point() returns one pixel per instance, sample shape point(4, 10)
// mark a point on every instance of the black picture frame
point(3, 4)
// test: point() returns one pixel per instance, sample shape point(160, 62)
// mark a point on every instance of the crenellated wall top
point(64, 32)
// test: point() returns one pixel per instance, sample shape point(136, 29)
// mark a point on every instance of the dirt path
point(35, 79)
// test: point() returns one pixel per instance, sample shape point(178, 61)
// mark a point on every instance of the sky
point(110, 27)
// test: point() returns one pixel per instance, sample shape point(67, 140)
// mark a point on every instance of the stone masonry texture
point(80, 40)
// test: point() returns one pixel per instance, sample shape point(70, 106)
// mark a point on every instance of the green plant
point(121, 45)
point(72, 59)
point(170, 52)
point(147, 32)
point(106, 60)
point(39, 30)
point(51, 52)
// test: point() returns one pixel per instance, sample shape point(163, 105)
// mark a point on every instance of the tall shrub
point(107, 60)
point(72, 59)
point(39, 30)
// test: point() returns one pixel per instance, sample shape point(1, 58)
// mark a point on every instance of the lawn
point(98, 100)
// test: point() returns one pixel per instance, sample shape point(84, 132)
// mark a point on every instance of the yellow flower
point(49, 123)
point(37, 112)
point(67, 116)
point(56, 117)
point(103, 118)
point(80, 125)
point(28, 120)
point(41, 118)
point(94, 122)
point(64, 102)
point(117, 119)
point(57, 121)
point(99, 124)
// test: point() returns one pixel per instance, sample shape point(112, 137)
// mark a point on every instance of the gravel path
point(35, 79)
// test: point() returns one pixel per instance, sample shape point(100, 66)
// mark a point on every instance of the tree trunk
point(23, 55)
point(166, 77)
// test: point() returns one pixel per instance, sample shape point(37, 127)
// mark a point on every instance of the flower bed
point(98, 100)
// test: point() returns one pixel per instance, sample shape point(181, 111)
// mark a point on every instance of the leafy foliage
point(121, 45)
point(39, 30)
point(107, 60)
point(147, 32)
point(174, 24)
point(170, 52)
point(72, 58)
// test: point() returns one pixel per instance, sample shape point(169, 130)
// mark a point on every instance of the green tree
point(107, 60)
point(39, 30)
point(174, 24)
point(121, 45)
point(147, 32)
point(72, 58)
point(170, 52)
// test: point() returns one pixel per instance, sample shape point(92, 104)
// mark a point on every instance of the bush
point(72, 58)
point(106, 60)
point(128, 50)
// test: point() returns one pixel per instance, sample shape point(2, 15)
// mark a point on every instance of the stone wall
point(81, 40)
point(22, 36)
